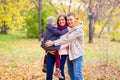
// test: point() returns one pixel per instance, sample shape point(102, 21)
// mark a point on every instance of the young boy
point(52, 33)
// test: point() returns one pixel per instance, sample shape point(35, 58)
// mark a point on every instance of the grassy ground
point(22, 59)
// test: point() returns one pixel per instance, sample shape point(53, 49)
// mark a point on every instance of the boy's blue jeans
point(75, 68)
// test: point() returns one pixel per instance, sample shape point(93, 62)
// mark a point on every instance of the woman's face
point(61, 21)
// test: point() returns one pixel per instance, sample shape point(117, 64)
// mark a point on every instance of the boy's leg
point(58, 71)
point(71, 69)
point(45, 56)
point(45, 59)
point(77, 64)
point(44, 65)
point(57, 60)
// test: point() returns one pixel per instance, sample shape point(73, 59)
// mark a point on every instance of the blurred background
point(23, 22)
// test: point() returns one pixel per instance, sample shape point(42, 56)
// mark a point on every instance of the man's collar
point(77, 22)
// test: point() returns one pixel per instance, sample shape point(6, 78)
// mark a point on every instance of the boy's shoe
point(44, 68)
point(58, 74)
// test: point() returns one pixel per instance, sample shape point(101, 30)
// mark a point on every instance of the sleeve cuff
point(54, 42)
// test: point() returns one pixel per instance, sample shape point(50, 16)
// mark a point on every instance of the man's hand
point(49, 43)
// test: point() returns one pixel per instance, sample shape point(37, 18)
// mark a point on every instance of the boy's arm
point(56, 31)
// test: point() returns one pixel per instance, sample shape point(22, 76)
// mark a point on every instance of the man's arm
point(68, 38)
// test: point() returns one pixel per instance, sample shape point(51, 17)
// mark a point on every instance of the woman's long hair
point(63, 17)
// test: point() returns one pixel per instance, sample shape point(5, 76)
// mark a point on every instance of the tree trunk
point(91, 23)
point(40, 33)
point(4, 28)
point(69, 10)
point(79, 11)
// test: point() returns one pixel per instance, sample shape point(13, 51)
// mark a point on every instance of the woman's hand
point(49, 43)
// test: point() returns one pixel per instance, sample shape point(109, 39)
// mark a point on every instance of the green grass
point(18, 46)
point(12, 36)
point(9, 38)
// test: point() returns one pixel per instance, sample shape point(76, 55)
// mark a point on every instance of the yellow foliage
point(14, 13)
point(95, 3)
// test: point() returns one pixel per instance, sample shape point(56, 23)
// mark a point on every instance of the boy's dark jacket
point(52, 33)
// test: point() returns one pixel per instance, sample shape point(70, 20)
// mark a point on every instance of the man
point(76, 47)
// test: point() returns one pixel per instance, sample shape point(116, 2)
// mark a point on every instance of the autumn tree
point(113, 7)
point(13, 13)
point(3, 13)
point(38, 4)
point(99, 11)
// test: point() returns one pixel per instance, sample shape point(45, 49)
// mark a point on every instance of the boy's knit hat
point(50, 19)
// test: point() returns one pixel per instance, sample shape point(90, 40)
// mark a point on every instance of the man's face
point(70, 21)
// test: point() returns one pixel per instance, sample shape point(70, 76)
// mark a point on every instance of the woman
point(50, 59)
point(62, 23)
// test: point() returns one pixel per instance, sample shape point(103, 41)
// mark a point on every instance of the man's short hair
point(71, 14)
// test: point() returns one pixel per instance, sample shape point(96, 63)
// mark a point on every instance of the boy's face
point(70, 21)
point(53, 23)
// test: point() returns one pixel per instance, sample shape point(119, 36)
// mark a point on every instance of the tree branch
point(63, 7)
point(53, 6)
point(36, 4)
point(109, 17)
